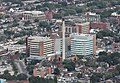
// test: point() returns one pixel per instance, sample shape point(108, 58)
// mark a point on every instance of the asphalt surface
point(21, 67)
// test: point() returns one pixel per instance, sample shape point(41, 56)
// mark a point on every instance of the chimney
point(63, 40)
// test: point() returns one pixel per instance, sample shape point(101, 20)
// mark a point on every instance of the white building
point(58, 45)
point(83, 44)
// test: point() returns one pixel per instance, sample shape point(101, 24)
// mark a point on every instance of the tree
point(79, 75)
point(56, 71)
point(112, 59)
point(45, 63)
point(6, 72)
point(36, 20)
point(69, 64)
point(30, 69)
point(78, 10)
point(22, 76)
point(20, 42)
point(15, 24)
point(105, 33)
point(105, 13)
point(49, 5)
point(55, 79)
point(95, 78)
point(38, 7)
point(102, 53)
point(34, 62)
point(7, 32)
point(14, 67)
point(33, 79)
point(118, 68)
point(27, 23)
point(79, 62)
point(63, 4)
point(57, 16)
point(80, 57)
point(70, 12)
point(22, 56)
point(43, 24)
point(7, 75)
point(25, 61)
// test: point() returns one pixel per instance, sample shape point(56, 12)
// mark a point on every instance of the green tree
point(36, 20)
point(7, 32)
point(44, 24)
point(102, 53)
point(7, 75)
point(27, 23)
point(55, 79)
point(112, 59)
point(79, 75)
point(45, 63)
point(38, 7)
point(30, 69)
point(118, 68)
point(57, 16)
point(21, 42)
point(63, 4)
point(22, 76)
point(78, 10)
point(95, 78)
point(14, 67)
point(33, 79)
point(22, 56)
point(34, 62)
point(70, 12)
point(49, 5)
point(56, 71)
point(69, 64)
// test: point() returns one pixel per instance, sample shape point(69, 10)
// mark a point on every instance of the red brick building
point(24, 81)
point(100, 25)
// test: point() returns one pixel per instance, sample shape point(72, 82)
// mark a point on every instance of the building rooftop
point(82, 37)
point(38, 39)
point(33, 12)
point(90, 13)
point(115, 14)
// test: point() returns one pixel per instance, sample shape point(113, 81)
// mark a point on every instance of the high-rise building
point(40, 46)
point(58, 43)
point(83, 44)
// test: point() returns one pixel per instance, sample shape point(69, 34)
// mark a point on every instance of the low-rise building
point(117, 16)
point(32, 15)
point(100, 25)
point(42, 71)
point(116, 47)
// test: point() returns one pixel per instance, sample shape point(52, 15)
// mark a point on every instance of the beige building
point(77, 28)
point(42, 71)
point(32, 15)
point(40, 46)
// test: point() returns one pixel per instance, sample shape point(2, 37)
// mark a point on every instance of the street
point(21, 67)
